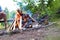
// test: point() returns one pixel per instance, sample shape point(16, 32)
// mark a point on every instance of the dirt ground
point(25, 35)
point(40, 34)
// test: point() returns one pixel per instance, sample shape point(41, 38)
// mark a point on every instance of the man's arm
point(33, 19)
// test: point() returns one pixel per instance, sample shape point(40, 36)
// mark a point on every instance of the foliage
point(7, 12)
point(49, 7)
point(12, 15)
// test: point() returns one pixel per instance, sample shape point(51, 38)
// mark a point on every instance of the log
point(9, 20)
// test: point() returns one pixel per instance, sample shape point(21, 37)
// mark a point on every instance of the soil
point(39, 34)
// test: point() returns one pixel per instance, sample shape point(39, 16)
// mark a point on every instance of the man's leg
point(5, 21)
point(14, 24)
point(20, 23)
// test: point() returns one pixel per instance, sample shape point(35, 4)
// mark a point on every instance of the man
point(44, 19)
point(27, 21)
point(21, 20)
point(3, 16)
point(0, 9)
point(18, 20)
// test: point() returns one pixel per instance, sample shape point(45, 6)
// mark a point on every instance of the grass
point(57, 26)
point(1, 26)
point(53, 38)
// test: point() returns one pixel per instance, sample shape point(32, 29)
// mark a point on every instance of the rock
point(35, 25)
point(32, 39)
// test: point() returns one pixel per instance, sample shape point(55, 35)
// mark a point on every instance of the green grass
point(1, 26)
point(57, 26)
point(53, 38)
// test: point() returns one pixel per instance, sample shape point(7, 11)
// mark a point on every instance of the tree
point(42, 6)
point(7, 12)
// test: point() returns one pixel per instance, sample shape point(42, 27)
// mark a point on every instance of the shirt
point(0, 9)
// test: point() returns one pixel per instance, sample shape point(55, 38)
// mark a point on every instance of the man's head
point(19, 11)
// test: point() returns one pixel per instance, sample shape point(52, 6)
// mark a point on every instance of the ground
point(49, 33)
